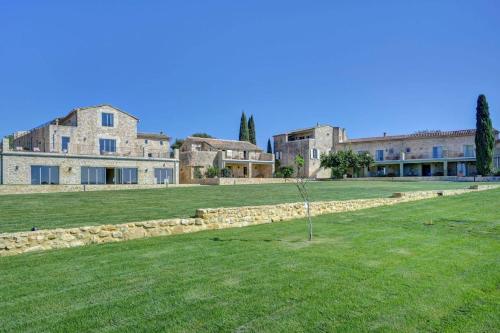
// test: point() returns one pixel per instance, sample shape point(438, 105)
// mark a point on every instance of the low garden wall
point(205, 219)
point(243, 181)
point(431, 178)
point(27, 189)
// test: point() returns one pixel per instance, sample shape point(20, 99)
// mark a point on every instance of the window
point(314, 154)
point(44, 175)
point(107, 145)
point(65, 143)
point(278, 155)
point(229, 153)
point(126, 175)
point(379, 155)
point(468, 151)
point(146, 141)
point(92, 175)
point(391, 150)
point(164, 176)
point(408, 150)
point(107, 119)
point(161, 143)
point(437, 152)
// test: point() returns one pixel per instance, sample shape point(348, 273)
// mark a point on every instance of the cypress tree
point(251, 131)
point(269, 147)
point(243, 128)
point(485, 138)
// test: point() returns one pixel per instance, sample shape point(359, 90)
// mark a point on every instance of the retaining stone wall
point(31, 189)
point(205, 219)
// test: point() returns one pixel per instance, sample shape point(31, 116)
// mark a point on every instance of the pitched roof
point(220, 144)
point(94, 107)
point(153, 136)
point(108, 105)
point(303, 129)
point(418, 135)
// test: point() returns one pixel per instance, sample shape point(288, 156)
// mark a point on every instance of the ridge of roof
point(418, 134)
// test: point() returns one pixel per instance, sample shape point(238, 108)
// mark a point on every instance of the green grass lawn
point(383, 269)
point(55, 210)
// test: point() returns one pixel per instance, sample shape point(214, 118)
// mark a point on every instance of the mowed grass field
point(426, 266)
point(62, 210)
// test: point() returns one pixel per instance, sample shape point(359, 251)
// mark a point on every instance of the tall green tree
point(251, 131)
point(485, 138)
point(244, 136)
point(269, 147)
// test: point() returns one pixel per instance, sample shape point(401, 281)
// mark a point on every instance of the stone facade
point(242, 159)
point(428, 153)
point(84, 128)
point(205, 219)
point(310, 143)
point(75, 143)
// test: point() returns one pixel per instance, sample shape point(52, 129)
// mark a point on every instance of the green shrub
point(226, 173)
point(286, 171)
point(212, 172)
point(197, 173)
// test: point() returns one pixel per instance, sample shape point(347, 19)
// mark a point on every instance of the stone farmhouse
point(90, 145)
point(421, 154)
point(241, 159)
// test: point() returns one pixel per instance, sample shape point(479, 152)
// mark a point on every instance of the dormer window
point(108, 119)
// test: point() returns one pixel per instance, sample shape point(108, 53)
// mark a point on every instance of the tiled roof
point(303, 129)
point(93, 107)
point(152, 136)
point(101, 105)
point(418, 135)
point(225, 144)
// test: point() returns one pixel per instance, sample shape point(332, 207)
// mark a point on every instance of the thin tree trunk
point(310, 222)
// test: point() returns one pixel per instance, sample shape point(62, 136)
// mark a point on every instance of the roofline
point(99, 106)
point(416, 136)
point(151, 135)
point(224, 140)
point(303, 129)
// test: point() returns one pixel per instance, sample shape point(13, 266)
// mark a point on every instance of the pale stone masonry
point(91, 145)
point(242, 159)
point(422, 154)
point(205, 219)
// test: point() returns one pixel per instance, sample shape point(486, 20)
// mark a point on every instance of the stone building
point(241, 159)
point(91, 145)
point(421, 154)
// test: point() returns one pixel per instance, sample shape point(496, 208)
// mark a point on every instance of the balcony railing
point(425, 156)
point(250, 156)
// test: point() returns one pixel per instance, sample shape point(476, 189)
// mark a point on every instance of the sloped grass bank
point(430, 265)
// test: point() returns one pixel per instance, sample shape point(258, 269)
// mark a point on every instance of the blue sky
point(192, 66)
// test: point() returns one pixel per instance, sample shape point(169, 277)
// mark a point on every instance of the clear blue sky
point(192, 66)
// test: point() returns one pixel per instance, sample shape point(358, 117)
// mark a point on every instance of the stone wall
point(205, 219)
point(31, 189)
point(242, 181)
